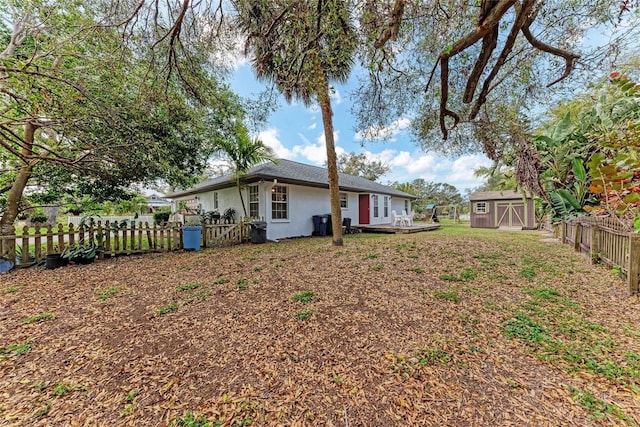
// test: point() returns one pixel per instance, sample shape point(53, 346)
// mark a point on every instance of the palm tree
point(244, 153)
point(300, 46)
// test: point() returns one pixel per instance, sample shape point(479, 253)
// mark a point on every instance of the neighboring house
point(507, 209)
point(288, 194)
point(154, 202)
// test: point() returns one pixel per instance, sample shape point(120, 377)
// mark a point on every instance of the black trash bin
point(258, 231)
point(323, 225)
point(317, 220)
point(329, 224)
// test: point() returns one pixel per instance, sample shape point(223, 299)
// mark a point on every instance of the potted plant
point(229, 215)
point(215, 216)
point(21, 258)
point(55, 259)
point(81, 253)
point(38, 217)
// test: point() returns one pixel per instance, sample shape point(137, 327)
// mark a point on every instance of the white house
point(288, 194)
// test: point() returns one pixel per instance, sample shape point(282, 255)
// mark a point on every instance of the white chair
point(397, 220)
point(408, 219)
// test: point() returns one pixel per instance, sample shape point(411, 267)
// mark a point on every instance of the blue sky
point(296, 133)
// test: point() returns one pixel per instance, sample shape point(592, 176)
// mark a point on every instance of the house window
point(279, 202)
point(254, 201)
point(481, 208)
point(386, 207)
point(375, 205)
point(344, 201)
point(215, 201)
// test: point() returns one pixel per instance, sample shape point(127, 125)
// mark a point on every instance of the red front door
point(363, 214)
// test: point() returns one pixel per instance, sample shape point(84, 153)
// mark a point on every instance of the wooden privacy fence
point(112, 239)
point(605, 240)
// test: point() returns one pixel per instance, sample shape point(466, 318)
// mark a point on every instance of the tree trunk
point(332, 163)
point(15, 193)
point(244, 209)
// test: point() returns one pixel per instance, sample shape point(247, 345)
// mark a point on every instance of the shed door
point(511, 214)
point(363, 210)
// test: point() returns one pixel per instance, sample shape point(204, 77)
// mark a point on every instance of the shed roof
point(290, 172)
point(497, 195)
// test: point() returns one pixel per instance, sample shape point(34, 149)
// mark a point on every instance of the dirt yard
point(455, 327)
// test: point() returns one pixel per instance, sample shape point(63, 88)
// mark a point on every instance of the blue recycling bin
point(191, 237)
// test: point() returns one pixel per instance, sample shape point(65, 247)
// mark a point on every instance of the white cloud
point(316, 152)
point(387, 132)
point(270, 138)
point(313, 126)
point(407, 166)
point(336, 99)
point(461, 171)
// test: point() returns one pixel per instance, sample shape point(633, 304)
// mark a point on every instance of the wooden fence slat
point(633, 269)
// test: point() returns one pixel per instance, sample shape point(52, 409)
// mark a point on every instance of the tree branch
point(569, 57)
point(391, 32)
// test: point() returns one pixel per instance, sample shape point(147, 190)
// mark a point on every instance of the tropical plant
point(244, 153)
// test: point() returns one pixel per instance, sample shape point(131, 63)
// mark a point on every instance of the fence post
point(633, 270)
point(594, 249)
point(577, 237)
point(563, 232)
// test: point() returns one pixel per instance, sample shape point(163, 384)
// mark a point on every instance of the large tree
point(81, 108)
point(359, 165)
point(301, 46)
point(462, 70)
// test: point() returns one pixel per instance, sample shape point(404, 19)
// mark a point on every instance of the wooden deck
point(390, 229)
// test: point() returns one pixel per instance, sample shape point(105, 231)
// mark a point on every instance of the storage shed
point(502, 209)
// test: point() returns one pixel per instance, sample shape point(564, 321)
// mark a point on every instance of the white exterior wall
point(351, 211)
point(303, 203)
point(381, 218)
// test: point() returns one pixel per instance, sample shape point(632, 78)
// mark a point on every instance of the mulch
point(380, 347)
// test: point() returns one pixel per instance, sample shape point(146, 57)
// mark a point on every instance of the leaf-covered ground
point(450, 327)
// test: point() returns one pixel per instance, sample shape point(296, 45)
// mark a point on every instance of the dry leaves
point(386, 344)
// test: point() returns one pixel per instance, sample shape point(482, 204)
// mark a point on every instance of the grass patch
point(242, 284)
point(303, 296)
point(220, 281)
point(376, 267)
point(166, 309)
point(468, 274)
point(304, 315)
point(450, 278)
point(132, 395)
point(527, 273)
point(417, 270)
point(597, 407)
point(11, 289)
point(106, 293)
point(522, 327)
point(190, 286)
point(433, 356)
point(189, 419)
point(40, 317)
point(447, 295)
point(16, 348)
point(62, 389)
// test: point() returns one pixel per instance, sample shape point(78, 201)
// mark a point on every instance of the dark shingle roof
point(496, 195)
point(290, 172)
